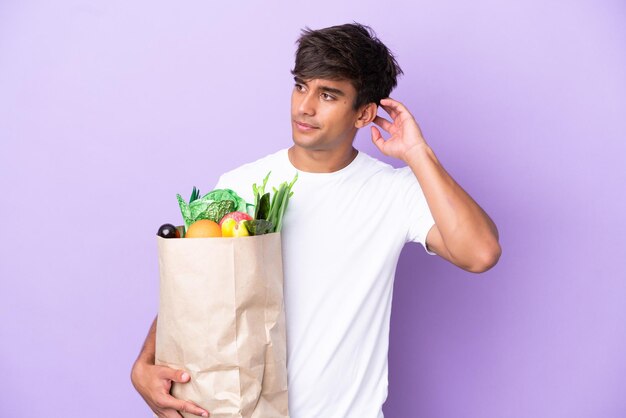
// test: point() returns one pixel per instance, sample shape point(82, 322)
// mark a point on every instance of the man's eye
point(299, 87)
point(327, 96)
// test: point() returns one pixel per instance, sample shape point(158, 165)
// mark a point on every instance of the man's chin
point(304, 141)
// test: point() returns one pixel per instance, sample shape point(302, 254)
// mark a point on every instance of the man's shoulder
point(383, 169)
point(240, 179)
point(382, 177)
point(246, 170)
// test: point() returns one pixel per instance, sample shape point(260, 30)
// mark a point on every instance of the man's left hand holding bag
point(154, 383)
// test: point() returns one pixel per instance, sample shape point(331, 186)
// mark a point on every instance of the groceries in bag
point(221, 309)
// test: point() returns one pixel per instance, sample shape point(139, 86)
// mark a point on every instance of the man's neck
point(321, 161)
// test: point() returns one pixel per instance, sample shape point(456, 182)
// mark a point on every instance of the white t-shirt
point(341, 237)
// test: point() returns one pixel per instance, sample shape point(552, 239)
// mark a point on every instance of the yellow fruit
point(203, 228)
point(228, 227)
point(241, 230)
point(234, 228)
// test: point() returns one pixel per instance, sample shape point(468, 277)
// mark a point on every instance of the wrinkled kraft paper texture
point(222, 319)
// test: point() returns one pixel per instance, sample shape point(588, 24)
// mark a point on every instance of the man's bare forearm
point(149, 346)
point(467, 231)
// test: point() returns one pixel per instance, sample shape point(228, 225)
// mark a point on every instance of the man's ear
point(366, 114)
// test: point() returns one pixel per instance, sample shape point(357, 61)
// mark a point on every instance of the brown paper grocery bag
point(222, 318)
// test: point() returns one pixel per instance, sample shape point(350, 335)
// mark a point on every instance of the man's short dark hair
point(348, 52)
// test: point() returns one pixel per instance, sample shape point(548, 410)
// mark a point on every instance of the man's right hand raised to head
point(154, 383)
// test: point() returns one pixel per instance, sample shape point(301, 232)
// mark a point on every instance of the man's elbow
point(486, 259)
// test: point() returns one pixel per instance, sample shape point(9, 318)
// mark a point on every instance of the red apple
point(237, 216)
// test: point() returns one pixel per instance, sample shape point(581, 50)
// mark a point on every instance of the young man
point(347, 222)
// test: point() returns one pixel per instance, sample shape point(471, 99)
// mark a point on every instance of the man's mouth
point(305, 126)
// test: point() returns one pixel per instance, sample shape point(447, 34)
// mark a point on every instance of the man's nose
point(307, 104)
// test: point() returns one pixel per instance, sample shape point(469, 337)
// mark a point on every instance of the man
point(346, 224)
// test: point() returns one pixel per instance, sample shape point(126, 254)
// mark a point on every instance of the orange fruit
point(204, 228)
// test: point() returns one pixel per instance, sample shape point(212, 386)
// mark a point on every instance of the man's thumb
point(377, 138)
point(179, 376)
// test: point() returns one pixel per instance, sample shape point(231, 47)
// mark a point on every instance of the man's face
point(322, 116)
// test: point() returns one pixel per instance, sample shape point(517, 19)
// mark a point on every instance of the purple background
point(109, 109)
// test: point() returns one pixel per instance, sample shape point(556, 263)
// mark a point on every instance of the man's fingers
point(377, 138)
point(393, 104)
point(189, 407)
point(394, 107)
point(383, 123)
point(169, 413)
point(179, 376)
point(169, 403)
point(392, 112)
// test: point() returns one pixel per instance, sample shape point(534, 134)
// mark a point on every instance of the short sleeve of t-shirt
point(415, 208)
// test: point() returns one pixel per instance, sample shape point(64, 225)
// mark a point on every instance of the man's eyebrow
point(322, 87)
point(332, 90)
